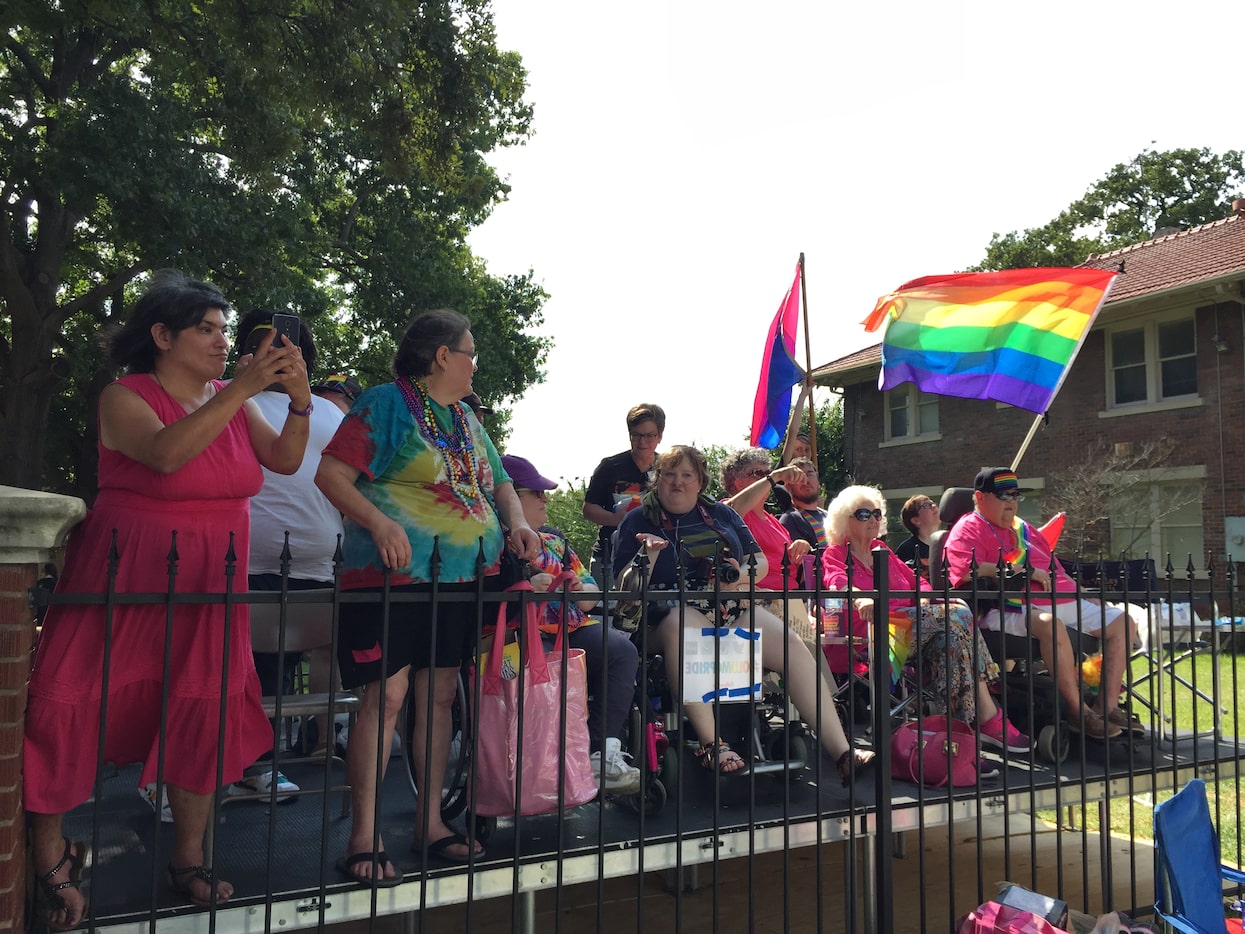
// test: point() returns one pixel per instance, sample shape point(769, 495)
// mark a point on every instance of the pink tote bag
point(520, 775)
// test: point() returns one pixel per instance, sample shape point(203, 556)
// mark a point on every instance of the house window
point(1152, 362)
point(1161, 519)
point(910, 413)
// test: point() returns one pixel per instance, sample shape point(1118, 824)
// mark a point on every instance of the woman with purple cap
point(611, 658)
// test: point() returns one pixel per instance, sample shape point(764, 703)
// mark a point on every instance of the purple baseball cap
point(524, 474)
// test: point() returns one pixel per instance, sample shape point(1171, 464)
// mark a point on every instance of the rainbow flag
point(1007, 336)
point(779, 372)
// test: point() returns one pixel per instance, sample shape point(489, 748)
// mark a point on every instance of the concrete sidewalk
point(749, 893)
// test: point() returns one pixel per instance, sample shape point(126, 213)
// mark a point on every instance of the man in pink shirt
point(993, 528)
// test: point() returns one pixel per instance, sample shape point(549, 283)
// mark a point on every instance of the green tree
point(323, 158)
point(1133, 202)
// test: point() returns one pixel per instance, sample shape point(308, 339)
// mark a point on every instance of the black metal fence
point(782, 844)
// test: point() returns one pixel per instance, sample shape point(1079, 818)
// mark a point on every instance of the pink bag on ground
point(939, 756)
point(499, 751)
point(993, 918)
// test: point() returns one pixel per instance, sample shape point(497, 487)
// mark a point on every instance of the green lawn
point(1132, 817)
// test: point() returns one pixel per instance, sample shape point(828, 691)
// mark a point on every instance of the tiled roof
point(1200, 254)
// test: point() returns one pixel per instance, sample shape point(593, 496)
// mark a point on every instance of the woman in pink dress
point(179, 457)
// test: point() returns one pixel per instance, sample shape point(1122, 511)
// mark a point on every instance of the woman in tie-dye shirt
point(416, 478)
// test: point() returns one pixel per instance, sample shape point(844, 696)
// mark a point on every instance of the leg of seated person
point(669, 634)
point(1117, 639)
point(785, 652)
point(612, 661)
point(1056, 649)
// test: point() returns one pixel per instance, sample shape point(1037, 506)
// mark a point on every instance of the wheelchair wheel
point(795, 751)
point(1053, 743)
point(454, 791)
point(652, 800)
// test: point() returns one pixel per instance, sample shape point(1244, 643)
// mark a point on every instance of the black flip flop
point(438, 848)
point(345, 865)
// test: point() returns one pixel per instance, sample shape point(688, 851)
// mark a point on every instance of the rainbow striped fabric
point(1007, 336)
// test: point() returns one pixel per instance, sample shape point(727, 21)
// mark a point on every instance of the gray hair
point(737, 463)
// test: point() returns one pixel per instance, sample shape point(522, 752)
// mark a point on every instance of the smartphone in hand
point(287, 327)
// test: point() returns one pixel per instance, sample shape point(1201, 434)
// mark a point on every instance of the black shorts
point(410, 632)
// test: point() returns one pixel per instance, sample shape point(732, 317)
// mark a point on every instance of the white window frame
point(1154, 391)
point(912, 404)
point(1169, 477)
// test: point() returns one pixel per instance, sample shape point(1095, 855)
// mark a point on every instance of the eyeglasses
point(645, 435)
point(864, 515)
point(925, 506)
point(758, 472)
point(1011, 497)
point(475, 357)
point(542, 495)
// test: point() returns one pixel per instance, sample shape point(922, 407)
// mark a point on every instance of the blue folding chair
point(1190, 874)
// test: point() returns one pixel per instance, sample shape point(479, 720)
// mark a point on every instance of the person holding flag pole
point(1011, 336)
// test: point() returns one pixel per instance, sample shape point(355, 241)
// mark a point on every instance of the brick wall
point(16, 638)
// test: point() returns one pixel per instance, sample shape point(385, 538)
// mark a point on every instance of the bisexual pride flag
point(779, 372)
point(1007, 336)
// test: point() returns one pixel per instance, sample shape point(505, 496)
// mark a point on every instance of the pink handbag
point(934, 754)
point(993, 918)
point(501, 788)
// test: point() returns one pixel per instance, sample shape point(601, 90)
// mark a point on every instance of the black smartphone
point(286, 326)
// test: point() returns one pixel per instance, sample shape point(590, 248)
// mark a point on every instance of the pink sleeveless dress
point(197, 510)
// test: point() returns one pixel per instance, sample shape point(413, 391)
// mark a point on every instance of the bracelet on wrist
point(303, 413)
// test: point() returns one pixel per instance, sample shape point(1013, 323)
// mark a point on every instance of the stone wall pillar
point(32, 526)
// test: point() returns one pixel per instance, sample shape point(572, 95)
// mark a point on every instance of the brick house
point(1165, 360)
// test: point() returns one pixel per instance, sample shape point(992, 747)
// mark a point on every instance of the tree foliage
point(1114, 481)
point(325, 158)
point(1133, 202)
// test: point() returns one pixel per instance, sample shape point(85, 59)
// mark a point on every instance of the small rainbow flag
point(1007, 336)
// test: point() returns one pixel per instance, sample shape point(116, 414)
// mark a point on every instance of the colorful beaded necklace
point(456, 446)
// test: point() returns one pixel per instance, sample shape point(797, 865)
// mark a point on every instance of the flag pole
point(808, 366)
point(1067, 367)
point(1024, 445)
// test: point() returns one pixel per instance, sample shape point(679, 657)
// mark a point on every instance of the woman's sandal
point(863, 761)
point(49, 892)
point(182, 879)
point(714, 756)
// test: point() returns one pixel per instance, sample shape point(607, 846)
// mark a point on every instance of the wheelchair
point(1028, 694)
point(767, 733)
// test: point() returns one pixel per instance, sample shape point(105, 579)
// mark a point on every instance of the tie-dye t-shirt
point(404, 475)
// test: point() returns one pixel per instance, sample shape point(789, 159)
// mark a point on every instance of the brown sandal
point(712, 759)
point(49, 892)
point(181, 879)
point(862, 760)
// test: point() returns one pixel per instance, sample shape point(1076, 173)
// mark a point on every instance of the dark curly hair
point(173, 299)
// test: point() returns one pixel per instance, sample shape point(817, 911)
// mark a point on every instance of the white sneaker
point(621, 778)
point(148, 794)
point(262, 784)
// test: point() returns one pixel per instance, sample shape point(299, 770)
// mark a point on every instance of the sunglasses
point(758, 472)
point(1011, 497)
point(542, 495)
point(864, 515)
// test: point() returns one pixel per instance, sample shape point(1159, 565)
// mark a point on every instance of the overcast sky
point(685, 153)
